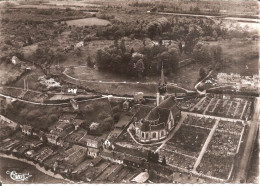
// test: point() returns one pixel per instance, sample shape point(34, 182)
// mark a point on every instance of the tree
point(217, 53)
point(202, 54)
point(140, 67)
point(149, 156)
point(202, 73)
point(163, 161)
point(132, 51)
point(122, 46)
point(89, 62)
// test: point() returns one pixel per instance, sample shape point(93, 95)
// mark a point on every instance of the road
point(119, 82)
point(246, 157)
point(196, 86)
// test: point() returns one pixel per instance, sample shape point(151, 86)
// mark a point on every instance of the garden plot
point(231, 126)
point(188, 140)
point(204, 122)
point(187, 104)
point(220, 154)
point(216, 166)
point(223, 144)
point(176, 159)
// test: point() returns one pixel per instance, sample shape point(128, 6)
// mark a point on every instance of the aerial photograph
point(129, 91)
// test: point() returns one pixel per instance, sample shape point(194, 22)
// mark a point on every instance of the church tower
point(162, 89)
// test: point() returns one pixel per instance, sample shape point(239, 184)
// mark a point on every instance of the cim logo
point(18, 176)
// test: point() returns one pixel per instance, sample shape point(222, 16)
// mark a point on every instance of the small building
point(93, 152)
point(167, 42)
point(27, 129)
point(139, 96)
point(15, 60)
point(109, 142)
point(36, 145)
point(79, 44)
point(72, 90)
point(95, 161)
point(136, 54)
point(126, 105)
point(112, 156)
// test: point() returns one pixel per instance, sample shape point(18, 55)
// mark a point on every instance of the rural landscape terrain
point(129, 91)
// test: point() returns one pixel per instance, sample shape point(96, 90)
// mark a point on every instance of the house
point(35, 145)
point(72, 90)
point(167, 42)
point(133, 161)
point(112, 156)
point(13, 125)
point(79, 44)
point(15, 60)
point(109, 142)
point(64, 127)
point(26, 129)
point(93, 142)
point(126, 105)
point(75, 155)
point(57, 135)
point(95, 161)
point(136, 54)
point(138, 97)
point(155, 43)
point(93, 152)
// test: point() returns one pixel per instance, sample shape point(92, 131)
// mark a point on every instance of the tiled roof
point(93, 149)
point(133, 159)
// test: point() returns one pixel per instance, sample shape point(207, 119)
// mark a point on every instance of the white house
point(79, 44)
point(15, 60)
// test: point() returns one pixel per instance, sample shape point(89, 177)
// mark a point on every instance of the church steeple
point(162, 89)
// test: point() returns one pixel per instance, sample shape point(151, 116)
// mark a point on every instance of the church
point(153, 124)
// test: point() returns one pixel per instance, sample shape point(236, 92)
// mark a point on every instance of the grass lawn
point(243, 54)
point(8, 72)
point(31, 78)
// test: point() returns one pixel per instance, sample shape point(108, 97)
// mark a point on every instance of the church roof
point(157, 117)
point(170, 104)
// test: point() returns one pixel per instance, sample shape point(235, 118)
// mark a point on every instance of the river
point(22, 167)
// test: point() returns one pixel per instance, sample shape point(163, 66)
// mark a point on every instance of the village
point(136, 92)
point(134, 136)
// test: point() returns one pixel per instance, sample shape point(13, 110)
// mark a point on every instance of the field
point(8, 73)
point(88, 22)
point(241, 54)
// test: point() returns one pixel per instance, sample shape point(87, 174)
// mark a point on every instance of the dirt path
point(196, 86)
point(204, 148)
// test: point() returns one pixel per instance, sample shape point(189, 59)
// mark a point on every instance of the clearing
point(88, 22)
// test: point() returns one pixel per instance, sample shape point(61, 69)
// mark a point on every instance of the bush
point(116, 117)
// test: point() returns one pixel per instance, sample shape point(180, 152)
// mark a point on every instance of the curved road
point(121, 82)
point(196, 86)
